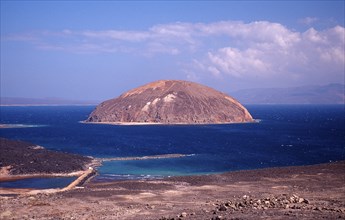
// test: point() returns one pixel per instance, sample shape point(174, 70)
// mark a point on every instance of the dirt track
point(307, 192)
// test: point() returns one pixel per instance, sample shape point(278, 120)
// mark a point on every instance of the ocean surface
point(285, 135)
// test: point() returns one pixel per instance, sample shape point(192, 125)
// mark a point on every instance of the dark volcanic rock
point(171, 102)
point(27, 158)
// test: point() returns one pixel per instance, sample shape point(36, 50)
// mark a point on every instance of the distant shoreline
point(246, 104)
point(24, 105)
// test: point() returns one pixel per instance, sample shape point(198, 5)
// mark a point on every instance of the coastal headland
point(19, 158)
point(301, 192)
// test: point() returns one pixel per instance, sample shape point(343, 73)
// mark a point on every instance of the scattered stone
point(222, 208)
point(228, 203)
point(165, 218)
point(5, 214)
point(31, 198)
point(281, 201)
point(183, 215)
point(233, 207)
point(317, 208)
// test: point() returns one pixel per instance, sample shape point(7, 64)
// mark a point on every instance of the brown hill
point(171, 102)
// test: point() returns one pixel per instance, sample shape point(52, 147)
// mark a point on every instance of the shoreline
point(296, 192)
point(28, 105)
point(158, 123)
point(84, 176)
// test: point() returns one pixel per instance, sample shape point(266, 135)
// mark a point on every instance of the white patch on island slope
point(230, 99)
point(146, 107)
point(154, 102)
point(169, 98)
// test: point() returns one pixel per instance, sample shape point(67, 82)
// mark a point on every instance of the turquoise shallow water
point(286, 135)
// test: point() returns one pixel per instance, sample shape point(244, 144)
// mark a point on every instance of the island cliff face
point(171, 102)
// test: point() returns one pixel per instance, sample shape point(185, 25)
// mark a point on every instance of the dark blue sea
point(285, 135)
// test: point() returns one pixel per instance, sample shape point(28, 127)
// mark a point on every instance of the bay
point(285, 135)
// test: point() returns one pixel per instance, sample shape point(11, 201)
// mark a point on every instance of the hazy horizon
point(98, 50)
point(116, 95)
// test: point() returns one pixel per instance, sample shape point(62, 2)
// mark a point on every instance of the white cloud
point(226, 48)
point(239, 63)
point(157, 47)
point(269, 49)
point(135, 36)
point(308, 20)
point(215, 72)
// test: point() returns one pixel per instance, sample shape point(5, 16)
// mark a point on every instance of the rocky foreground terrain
point(171, 102)
point(305, 192)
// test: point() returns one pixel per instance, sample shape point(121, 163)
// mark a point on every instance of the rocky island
point(171, 102)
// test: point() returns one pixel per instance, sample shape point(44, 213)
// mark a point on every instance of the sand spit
point(304, 192)
point(152, 157)
point(84, 176)
point(3, 126)
point(9, 177)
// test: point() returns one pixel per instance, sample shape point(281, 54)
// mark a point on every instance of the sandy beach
point(304, 192)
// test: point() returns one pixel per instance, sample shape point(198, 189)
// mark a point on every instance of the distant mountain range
point(327, 94)
point(43, 101)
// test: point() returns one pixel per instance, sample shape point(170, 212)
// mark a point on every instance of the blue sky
point(96, 50)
